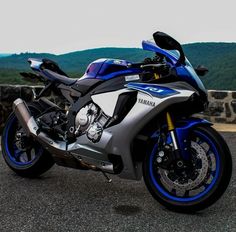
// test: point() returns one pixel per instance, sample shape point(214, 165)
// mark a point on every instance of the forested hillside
point(220, 58)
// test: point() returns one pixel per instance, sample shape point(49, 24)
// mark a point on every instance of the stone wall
point(222, 104)
point(222, 107)
point(8, 93)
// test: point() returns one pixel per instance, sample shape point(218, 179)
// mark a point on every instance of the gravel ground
point(70, 200)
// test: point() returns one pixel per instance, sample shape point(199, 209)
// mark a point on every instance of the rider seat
point(58, 78)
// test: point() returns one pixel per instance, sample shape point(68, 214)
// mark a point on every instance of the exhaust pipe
point(31, 128)
point(26, 120)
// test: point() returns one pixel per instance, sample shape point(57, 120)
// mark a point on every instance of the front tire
point(31, 161)
point(206, 190)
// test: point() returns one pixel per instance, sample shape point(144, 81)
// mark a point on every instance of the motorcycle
point(127, 119)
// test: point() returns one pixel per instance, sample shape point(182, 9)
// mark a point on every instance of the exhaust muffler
point(31, 128)
point(25, 118)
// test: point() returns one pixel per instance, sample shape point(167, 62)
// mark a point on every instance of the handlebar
point(154, 66)
point(160, 67)
point(135, 65)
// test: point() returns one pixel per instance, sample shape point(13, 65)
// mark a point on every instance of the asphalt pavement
point(64, 199)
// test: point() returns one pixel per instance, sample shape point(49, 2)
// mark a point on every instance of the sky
point(61, 26)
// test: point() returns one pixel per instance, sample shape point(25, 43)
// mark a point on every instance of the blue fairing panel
point(147, 45)
point(152, 89)
point(182, 131)
point(113, 67)
point(188, 74)
point(105, 69)
point(93, 69)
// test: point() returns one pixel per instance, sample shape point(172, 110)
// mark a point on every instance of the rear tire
point(208, 196)
point(17, 159)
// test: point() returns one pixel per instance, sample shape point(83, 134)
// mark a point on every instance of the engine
point(91, 120)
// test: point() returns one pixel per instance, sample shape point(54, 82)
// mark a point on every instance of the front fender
point(182, 130)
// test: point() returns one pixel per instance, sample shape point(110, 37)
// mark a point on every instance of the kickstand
point(106, 176)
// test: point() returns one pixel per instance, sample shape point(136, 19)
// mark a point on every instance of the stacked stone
point(222, 107)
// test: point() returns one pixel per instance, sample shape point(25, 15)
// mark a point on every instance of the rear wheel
point(199, 185)
point(22, 154)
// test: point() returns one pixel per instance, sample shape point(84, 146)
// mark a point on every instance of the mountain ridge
point(219, 57)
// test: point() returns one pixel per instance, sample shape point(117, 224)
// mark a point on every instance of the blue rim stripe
point(17, 152)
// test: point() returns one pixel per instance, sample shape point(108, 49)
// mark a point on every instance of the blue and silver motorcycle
point(127, 119)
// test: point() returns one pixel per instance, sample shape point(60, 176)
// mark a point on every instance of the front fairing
point(185, 71)
point(188, 74)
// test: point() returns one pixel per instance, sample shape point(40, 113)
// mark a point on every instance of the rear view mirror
point(201, 70)
point(165, 41)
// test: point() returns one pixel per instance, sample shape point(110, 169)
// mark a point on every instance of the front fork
point(180, 134)
point(177, 152)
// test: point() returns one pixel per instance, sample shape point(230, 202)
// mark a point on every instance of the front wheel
point(198, 186)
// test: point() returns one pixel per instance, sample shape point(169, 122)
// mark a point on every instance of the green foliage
point(220, 58)
point(11, 76)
